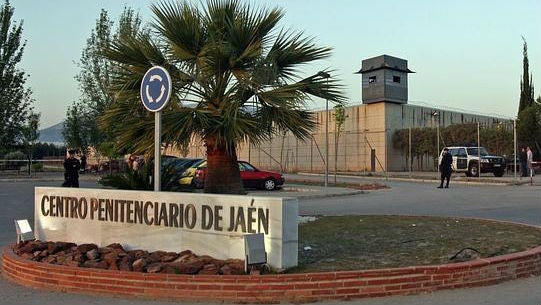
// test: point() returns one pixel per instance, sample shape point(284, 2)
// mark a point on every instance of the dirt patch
point(369, 186)
point(334, 243)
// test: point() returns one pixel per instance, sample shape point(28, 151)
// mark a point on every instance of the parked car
point(180, 164)
point(466, 160)
point(251, 176)
point(536, 166)
point(173, 169)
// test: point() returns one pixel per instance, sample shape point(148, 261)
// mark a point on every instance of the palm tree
point(235, 77)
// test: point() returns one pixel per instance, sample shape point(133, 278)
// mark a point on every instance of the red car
point(250, 175)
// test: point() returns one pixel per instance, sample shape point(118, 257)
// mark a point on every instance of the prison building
point(365, 144)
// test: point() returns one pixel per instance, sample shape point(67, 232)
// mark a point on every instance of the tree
point(73, 132)
point(526, 84)
point(235, 77)
point(340, 117)
point(497, 139)
point(529, 126)
point(29, 135)
point(15, 98)
point(81, 128)
point(529, 112)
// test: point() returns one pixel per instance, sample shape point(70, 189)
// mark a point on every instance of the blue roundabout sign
point(155, 88)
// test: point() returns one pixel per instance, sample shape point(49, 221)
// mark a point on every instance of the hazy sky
point(467, 53)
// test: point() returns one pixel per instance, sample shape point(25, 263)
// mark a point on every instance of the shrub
point(140, 179)
point(15, 155)
point(37, 167)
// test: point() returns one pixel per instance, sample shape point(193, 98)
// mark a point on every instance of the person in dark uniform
point(445, 167)
point(71, 167)
point(83, 163)
point(523, 157)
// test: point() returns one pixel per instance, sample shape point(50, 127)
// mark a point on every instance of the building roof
point(384, 66)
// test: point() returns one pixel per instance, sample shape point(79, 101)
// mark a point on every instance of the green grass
point(368, 242)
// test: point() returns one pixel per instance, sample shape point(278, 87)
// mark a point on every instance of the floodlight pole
point(478, 153)
point(326, 141)
point(438, 141)
point(435, 115)
point(409, 148)
point(327, 76)
point(515, 146)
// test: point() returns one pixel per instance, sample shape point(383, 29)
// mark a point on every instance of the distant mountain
point(52, 134)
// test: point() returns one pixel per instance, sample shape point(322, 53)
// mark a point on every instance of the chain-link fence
point(56, 165)
point(378, 138)
point(419, 147)
point(348, 151)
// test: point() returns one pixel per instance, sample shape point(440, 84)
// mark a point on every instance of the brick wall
point(273, 288)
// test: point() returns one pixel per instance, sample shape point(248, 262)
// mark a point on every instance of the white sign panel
point(207, 224)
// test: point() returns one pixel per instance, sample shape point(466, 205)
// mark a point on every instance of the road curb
point(274, 288)
point(319, 196)
point(307, 192)
point(454, 181)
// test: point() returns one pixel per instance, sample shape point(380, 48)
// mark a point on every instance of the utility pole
point(436, 116)
point(409, 155)
point(515, 146)
point(326, 76)
point(478, 153)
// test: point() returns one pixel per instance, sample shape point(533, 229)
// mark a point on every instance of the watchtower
point(384, 79)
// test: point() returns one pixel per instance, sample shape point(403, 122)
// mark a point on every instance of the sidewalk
point(430, 177)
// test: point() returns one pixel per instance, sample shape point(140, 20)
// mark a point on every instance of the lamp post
point(435, 115)
point(478, 151)
point(326, 75)
point(515, 146)
point(409, 147)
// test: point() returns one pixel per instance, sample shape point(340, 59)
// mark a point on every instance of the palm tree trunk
point(223, 175)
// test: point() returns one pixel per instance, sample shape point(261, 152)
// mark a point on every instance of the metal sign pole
point(157, 149)
point(155, 92)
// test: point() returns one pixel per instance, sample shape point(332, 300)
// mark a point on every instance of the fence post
point(409, 151)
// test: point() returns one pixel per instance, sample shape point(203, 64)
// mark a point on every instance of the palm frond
point(290, 51)
point(242, 74)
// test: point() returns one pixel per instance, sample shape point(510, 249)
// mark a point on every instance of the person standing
point(83, 163)
point(71, 167)
point(529, 160)
point(446, 167)
point(523, 162)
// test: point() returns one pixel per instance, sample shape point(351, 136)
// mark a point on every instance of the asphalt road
point(520, 203)
point(511, 203)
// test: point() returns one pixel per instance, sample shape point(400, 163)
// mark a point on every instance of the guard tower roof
point(384, 62)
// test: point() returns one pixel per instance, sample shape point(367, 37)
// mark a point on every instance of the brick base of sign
point(272, 288)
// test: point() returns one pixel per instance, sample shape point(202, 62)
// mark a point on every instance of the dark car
point(173, 170)
point(251, 176)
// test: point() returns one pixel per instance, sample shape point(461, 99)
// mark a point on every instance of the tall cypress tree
point(526, 84)
point(15, 98)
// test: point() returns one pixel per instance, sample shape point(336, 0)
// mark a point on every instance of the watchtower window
point(396, 79)
point(371, 79)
